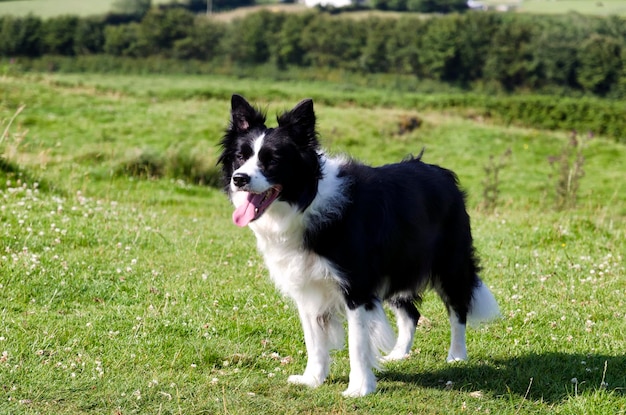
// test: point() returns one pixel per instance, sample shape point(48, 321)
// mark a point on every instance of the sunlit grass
point(53, 8)
point(601, 8)
point(127, 295)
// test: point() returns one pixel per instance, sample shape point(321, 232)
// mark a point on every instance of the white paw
point(394, 356)
point(457, 352)
point(456, 358)
point(310, 381)
point(360, 387)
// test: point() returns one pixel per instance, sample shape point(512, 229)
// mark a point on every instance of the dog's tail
point(484, 307)
point(411, 157)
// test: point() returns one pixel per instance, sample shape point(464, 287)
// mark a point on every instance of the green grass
point(52, 8)
point(126, 295)
point(600, 8)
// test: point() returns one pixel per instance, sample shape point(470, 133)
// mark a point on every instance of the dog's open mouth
point(254, 206)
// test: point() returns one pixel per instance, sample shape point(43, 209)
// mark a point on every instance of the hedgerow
point(514, 52)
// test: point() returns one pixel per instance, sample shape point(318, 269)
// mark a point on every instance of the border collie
point(340, 237)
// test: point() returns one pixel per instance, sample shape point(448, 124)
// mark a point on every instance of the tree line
point(511, 51)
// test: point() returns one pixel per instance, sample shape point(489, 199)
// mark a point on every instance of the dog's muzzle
point(241, 180)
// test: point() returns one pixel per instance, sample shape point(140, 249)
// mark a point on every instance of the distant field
point(600, 7)
point(48, 8)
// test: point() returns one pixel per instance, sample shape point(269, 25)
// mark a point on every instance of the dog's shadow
point(550, 377)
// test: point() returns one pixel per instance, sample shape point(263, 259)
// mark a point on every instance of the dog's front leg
point(317, 348)
point(362, 356)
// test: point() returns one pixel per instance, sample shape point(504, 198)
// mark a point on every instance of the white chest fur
point(296, 271)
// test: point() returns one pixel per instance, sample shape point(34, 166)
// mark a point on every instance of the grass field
point(122, 295)
point(600, 8)
point(49, 8)
point(603, 7)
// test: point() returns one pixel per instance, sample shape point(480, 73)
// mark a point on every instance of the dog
point(340, 238)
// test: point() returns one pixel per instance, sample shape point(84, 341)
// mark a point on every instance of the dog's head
point(262, 166)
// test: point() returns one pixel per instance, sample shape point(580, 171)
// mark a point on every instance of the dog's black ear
point(300, 121)
point(243, 115)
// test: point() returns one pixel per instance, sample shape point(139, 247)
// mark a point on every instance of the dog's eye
point(243, 153)
point(269, 162)
point(268, 158)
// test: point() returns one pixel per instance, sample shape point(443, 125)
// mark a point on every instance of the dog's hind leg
point(456, 293)
point(458, 349)
point(480, 306)
point(407, 317)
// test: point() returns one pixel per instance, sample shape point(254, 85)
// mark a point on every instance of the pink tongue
point(246, 212)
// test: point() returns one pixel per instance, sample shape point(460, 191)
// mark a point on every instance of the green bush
point(592, 115)
point(143, 163)
point(195, 164)
point(333, 42)
point(600, 63)
point(20, 36)
point(192, 163)
point(249, 40)
point(89, 36)
point(59, 34)
point(202, 41)
point(160, 29)
point(498, 52)
point(402, 54)
point(287, 48)
point(510, 59)
point(439, 56)
point(374, 54)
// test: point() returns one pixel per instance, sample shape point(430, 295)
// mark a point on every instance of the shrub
point(287, 49)
point(401, 46)
point(491, 182)
point(568, 166)
point(374, 52)
point(160, 29)
point(408, 124)
point(249, 39)
point(121, 40)
point(333, 43)
point(89, 36)
point(58, 35)
point(143, 163)
point(510, 60)
point(20, 36)
point(555, 49)
point(439, 56)
point(202, 41)
point(193, 164)
point(10, 148)
point(600, 60)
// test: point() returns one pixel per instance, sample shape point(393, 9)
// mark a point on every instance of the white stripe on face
point(258, 182)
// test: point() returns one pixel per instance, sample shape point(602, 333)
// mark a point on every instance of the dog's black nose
point(241, 179)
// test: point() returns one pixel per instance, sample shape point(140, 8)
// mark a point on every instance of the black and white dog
point(340, 237)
